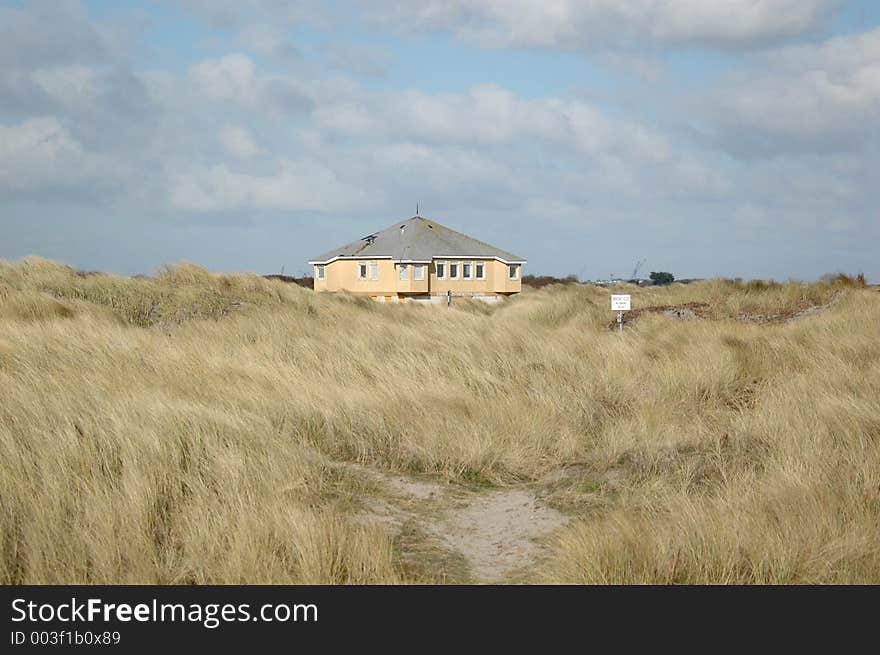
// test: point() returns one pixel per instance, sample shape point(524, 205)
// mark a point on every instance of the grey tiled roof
point(417, 239)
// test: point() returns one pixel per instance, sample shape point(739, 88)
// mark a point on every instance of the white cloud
point(40, 153)
point(357, 59)
point(812, 97)
point(443, 168)
point(54, 32)
point(491, 115)
point(351, 117)
point(229, 78)
point(235, 80)
point(231, 14)
point(695, 175)
point(239, 142)
point(588, 25)
point(270, 40)
point(304, 185)
point(597, 25)
point(68, 85)
point(644, 66)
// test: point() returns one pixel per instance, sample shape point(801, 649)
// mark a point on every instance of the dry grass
point(184, 428)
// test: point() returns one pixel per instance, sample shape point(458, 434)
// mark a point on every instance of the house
point(419, 259)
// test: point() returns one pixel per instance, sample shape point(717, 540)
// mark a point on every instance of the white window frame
point(513, 271)
point(403, 272)
point(362, 270)
point(319, 271)
point(374, 270)
point(482, 266)
point(441, 265)
point(418, 272)
point(467, 270)
point(451, 276)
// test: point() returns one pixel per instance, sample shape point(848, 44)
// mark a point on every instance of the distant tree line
point(661, 277)
point(538, 281)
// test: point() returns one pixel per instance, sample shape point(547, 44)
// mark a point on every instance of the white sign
point(620, 302)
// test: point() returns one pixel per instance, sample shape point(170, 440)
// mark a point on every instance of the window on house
point(480, 270)
point(374, 270)
point(362, 270)
point(466, 270)
point(441, 270)
point(453, 270)
point(513, 271)
point(404, 271)
point(319, 271)
point(418, 271)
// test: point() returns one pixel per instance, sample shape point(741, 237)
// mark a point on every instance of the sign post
point(620, 302)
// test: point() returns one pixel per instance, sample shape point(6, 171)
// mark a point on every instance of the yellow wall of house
point(495, 273)
point(503, 282)
point(342, 275)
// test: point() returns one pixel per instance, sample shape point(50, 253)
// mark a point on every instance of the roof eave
point(315, 262)
point(514, 260)
point(335, 257)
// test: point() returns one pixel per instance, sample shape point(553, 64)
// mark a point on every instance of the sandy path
point(496, 531)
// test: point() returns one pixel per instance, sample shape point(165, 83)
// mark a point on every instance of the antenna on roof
point(417, 208)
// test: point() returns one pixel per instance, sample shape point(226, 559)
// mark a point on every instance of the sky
point(734, 138)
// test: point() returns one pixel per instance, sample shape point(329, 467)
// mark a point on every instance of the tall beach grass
point(185, 428)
